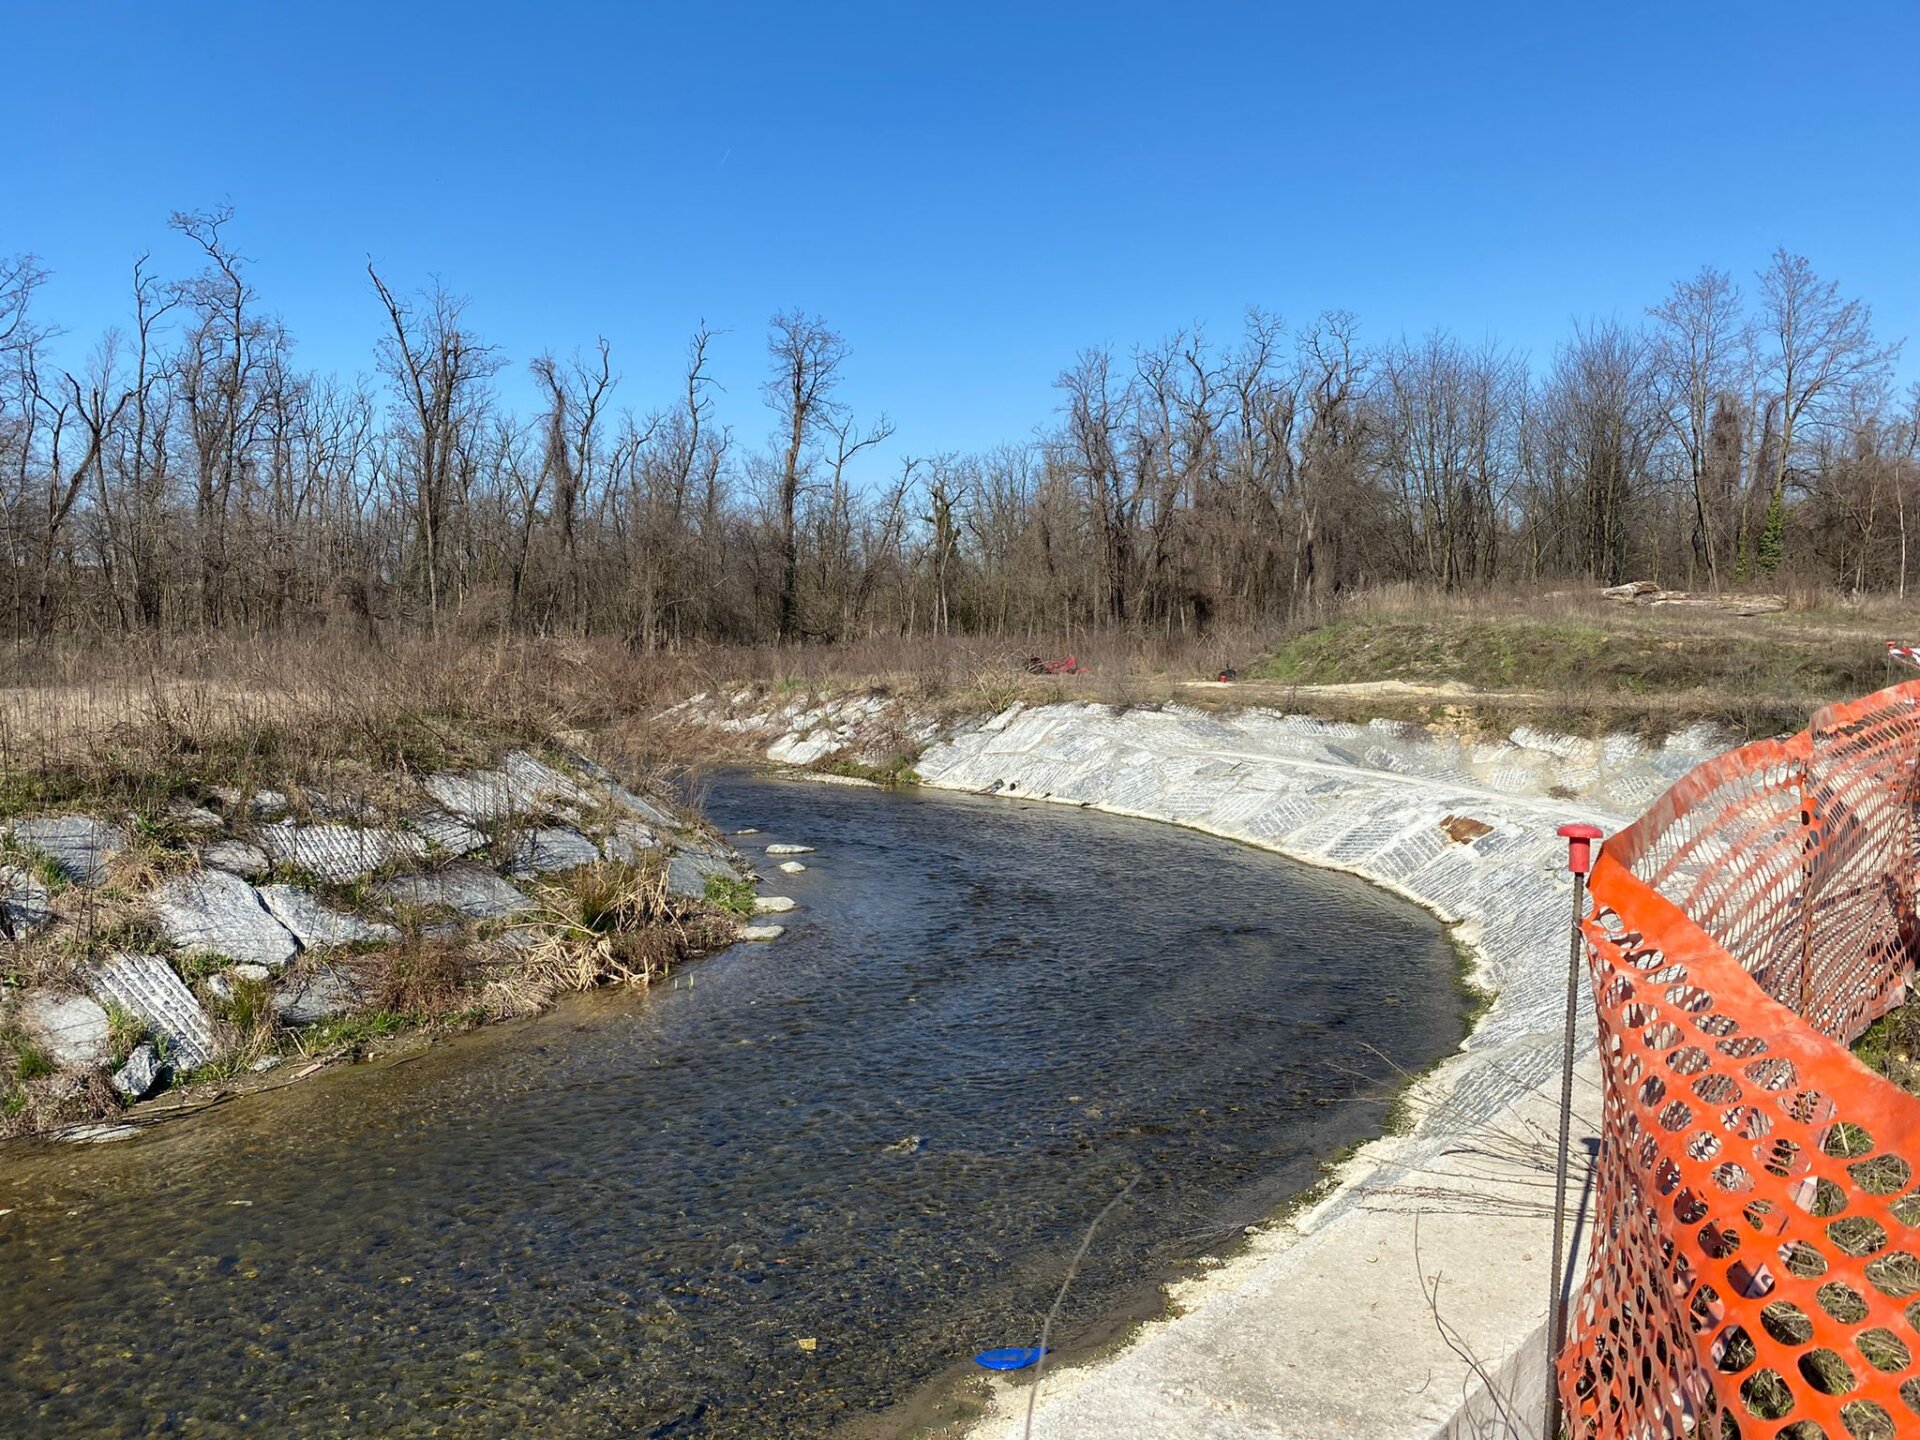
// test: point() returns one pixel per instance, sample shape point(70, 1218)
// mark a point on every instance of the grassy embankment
point(338, 732)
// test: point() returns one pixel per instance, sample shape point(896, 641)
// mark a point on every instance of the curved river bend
point(883, 1134)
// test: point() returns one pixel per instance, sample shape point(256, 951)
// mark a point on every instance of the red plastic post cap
point(1580, 840)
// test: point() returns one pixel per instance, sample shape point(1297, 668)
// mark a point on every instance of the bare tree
point(1819, 345)
point(1701, 341)
point(440, 368)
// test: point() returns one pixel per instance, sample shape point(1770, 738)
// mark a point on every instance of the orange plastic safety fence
point(1755, 1267)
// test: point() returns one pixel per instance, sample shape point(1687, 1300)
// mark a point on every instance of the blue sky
point(972, 193)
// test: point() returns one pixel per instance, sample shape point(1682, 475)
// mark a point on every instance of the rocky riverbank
point(1406, 1300)
point(218, 932)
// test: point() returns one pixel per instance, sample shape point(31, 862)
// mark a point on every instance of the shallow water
point(883, 1133)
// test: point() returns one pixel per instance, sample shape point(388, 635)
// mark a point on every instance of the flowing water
point(787, 1193)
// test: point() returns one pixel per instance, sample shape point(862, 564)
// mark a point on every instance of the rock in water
point(317, 926)
point(792, 867)
point(771, 904)
point(137, 1078)
point(789, 849)
point(762, 932)
point(146, 986)
point(78, 845)
point(72, 1029)
point(215, 913)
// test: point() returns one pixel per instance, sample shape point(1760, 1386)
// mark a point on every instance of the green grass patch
point(734, 896)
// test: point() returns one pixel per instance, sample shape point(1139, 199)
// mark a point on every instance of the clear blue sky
point(972, 193)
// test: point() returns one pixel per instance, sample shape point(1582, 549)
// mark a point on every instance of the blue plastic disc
point(1012, 1357)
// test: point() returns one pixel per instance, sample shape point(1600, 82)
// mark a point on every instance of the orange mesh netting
point(1755, 1268)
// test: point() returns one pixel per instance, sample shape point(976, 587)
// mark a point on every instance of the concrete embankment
point(1407, 1301)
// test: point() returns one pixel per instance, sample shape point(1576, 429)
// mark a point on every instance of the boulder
point(137, 1079)
point(792, 867)
point(78, 845)
point(316, 993)
point(340, 852)
point(687, 875)
point(475, 892)
point(771, 904)
point(71, 1029)
point(316, 925)
point(145, 985)
point(789, 849)
point(25, 903)
point(237, 857)
point(214, 913)
point(549, 851)
point(762, 932)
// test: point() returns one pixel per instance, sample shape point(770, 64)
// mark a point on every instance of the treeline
point(191, 476)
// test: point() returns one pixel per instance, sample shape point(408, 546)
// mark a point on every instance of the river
point(788, 1194)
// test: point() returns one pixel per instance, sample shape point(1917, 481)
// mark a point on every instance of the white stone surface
point(474, 891)
point(789, 849)
point(688, 873)
point(523, 784)
point(214, 913)
point(145, 985)
point(762, 932)
point(551, 850)
point(237, 857)
point(316, 925)
point(316, 993)
point(135, 1079)
point(24, 900)
point(71, 1029)
point(772, 904)
point(792, 867)
point(340, 852)
point(78, 845)
point(449, 833)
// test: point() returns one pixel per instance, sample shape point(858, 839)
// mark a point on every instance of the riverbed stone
point(316, 925)
point(762, 932)
point(789, 849)
point(137, 1079)
point(71, 1029)
point(687, 874)
point(474, 891)
point(145, 985)
point(214, 913)
point(78, 845)
point(772, 904)
point(792, 867)
point(25, 902)
point(550, 851)
point(237, 857)
point(340, 852)
point(315, 994)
